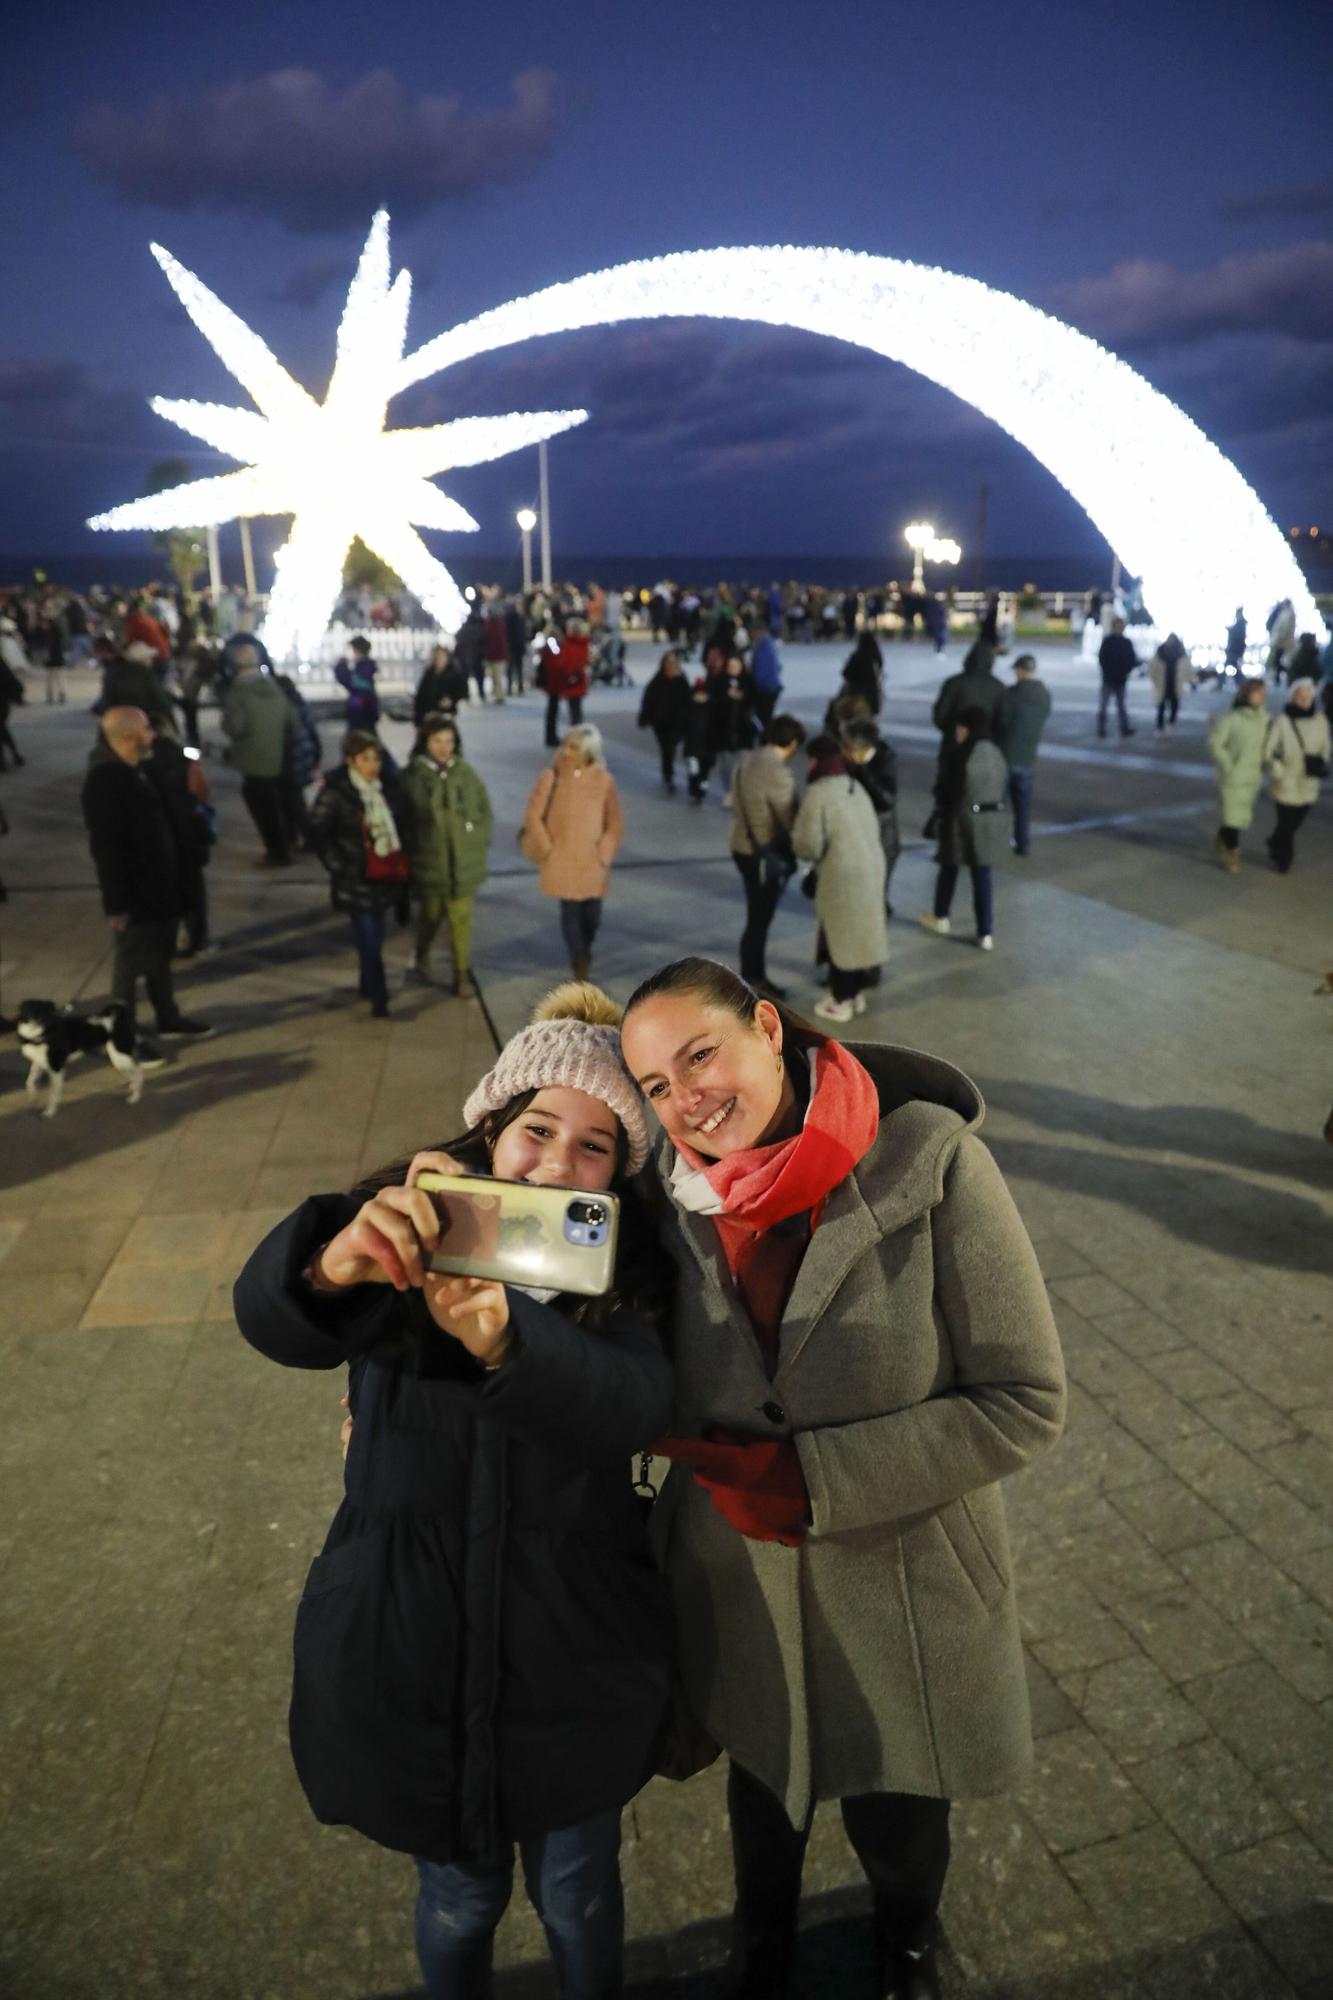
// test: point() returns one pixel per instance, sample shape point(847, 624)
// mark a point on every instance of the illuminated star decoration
point(331, 465)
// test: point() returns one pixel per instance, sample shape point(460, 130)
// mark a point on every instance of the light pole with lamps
point(527, 521)
point(927, 546)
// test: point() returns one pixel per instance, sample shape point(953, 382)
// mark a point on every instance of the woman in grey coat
point(971, 818)
point(865, 1348)
point(837, 829)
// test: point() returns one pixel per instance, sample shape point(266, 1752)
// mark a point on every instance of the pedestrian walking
point(469, 653)
point(1305, 663)
point(12, 694)
point(495, 649)
point(764, 807)
point(140, 869)
point(664, 708)
point(733, 725)
point(1118, 660)
point(449, 821)
point(1171, 675)
point(483, 1649)
point(874, 764)
point(698, 740)
point(970, 822)
point(572, 827)
point(303, 761)
point(1281, 636)
point(766, 676)
point(863, 672)
point(442, 687)
point(864, 1348)
point(1298, 751)
point(565, 673)
point(359, 829)
point(516, 631)
point(1238, 741)
point(1023, 712)
point(261, 723)
point(1238, 633)
point(357, 675)
point(837, 832)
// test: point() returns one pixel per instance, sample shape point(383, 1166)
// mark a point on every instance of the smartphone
point(559, 1239)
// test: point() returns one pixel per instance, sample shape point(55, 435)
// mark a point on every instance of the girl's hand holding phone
point(474, 1311)
point(390, 1239)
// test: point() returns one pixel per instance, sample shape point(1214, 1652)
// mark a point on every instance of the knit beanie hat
point(573, 1039)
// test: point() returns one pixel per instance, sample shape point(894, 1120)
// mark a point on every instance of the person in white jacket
point(1297, 755)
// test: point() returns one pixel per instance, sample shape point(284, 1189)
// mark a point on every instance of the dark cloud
point(1288, 291)
point(293, 145)
point(305, 284)
point(1314, 198)
point(26, 382)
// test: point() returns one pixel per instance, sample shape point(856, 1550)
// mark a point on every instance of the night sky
point(1160, 175)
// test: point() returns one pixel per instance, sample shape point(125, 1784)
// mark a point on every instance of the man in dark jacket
point(1024, 708)
point(139, 867)
point(1117, 659)
point(975, 687)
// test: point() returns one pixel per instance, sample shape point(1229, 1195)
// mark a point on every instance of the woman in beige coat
point(571, 829)
point(1297, 754)
point(864, 1350)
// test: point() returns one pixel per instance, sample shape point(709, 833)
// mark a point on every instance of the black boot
point(906, 1972)
point(761, 1961)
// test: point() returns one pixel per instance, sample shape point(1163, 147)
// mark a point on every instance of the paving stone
point(1316, 1417)
point(1184, 1636)
point(1170, 1515)
point(1079, 1795)
point(1153, 1414)
point(1091, 1644)
point(1059, 1605)
point(1134, 1709)
point(1283, 1888)
point(1314, 1569)
point(1212, 1465)
point(1191, 1374)
point(1259, 1716)
point(1096, 1363)
point(1009, 1906)
point(1059, 1260)
point(1051, 1708)
point(1093, 1295)
point(1209, 1799)
point(1247, 1420)
point(1281, 1524)
point(1306, 1467)
point(1302, 1789)
point(1298, 1641)
point(1116, 1564)
point(1141, 1334)
point(1238, 1579)
point(1149, 1873)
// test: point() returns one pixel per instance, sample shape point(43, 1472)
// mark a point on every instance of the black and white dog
point(51, 1037)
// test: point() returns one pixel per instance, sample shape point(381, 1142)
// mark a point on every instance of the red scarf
point(757, 1485)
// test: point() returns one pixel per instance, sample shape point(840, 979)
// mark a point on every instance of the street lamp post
point(544, 503)
point(927, 546)
point(527, 521)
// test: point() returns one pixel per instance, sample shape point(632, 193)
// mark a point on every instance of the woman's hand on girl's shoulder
point(390, 1238)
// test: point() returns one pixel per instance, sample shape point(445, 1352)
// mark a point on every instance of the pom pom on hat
point(572, 1040)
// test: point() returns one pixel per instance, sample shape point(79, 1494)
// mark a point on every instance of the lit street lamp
point(927, 546)
point(527, 521)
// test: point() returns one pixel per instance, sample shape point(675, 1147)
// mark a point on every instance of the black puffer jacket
point(337, 834)
point(483, 1650)
point(132, 840)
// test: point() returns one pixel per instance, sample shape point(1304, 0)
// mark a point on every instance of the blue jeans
point(573, 1879)
point(983, 896)
point(1020, 798)
point(578, 925)
point(368, 936)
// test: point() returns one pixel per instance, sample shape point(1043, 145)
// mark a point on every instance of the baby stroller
point(606, 666)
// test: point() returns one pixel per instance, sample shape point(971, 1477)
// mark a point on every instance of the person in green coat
point(451, 831)
point(1238, 742)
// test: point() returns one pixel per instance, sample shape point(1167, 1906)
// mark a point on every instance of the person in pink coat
point(571, 828)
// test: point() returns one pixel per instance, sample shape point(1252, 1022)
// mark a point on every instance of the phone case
point(560, 1239)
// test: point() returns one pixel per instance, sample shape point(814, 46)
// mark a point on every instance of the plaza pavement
point(1157, 1072)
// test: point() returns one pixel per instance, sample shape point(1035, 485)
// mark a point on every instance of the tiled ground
point(1156, 1071)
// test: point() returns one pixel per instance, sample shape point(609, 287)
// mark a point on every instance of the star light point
point(333, 465)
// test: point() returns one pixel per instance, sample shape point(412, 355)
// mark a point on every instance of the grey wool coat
point(837, 828)
point(918, 1365)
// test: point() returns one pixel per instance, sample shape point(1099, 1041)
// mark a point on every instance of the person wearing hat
point(483, 1649)
point(1297, 754)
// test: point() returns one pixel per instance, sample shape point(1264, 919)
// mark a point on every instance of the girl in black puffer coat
point(483, 1650)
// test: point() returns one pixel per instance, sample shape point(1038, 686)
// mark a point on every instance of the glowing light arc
point(1173, 507)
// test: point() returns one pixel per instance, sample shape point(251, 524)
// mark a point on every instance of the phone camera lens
point(587, 1211)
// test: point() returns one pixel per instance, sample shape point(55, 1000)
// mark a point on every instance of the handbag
point(390, 867)
point(1315, 767)
point(776, 857)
